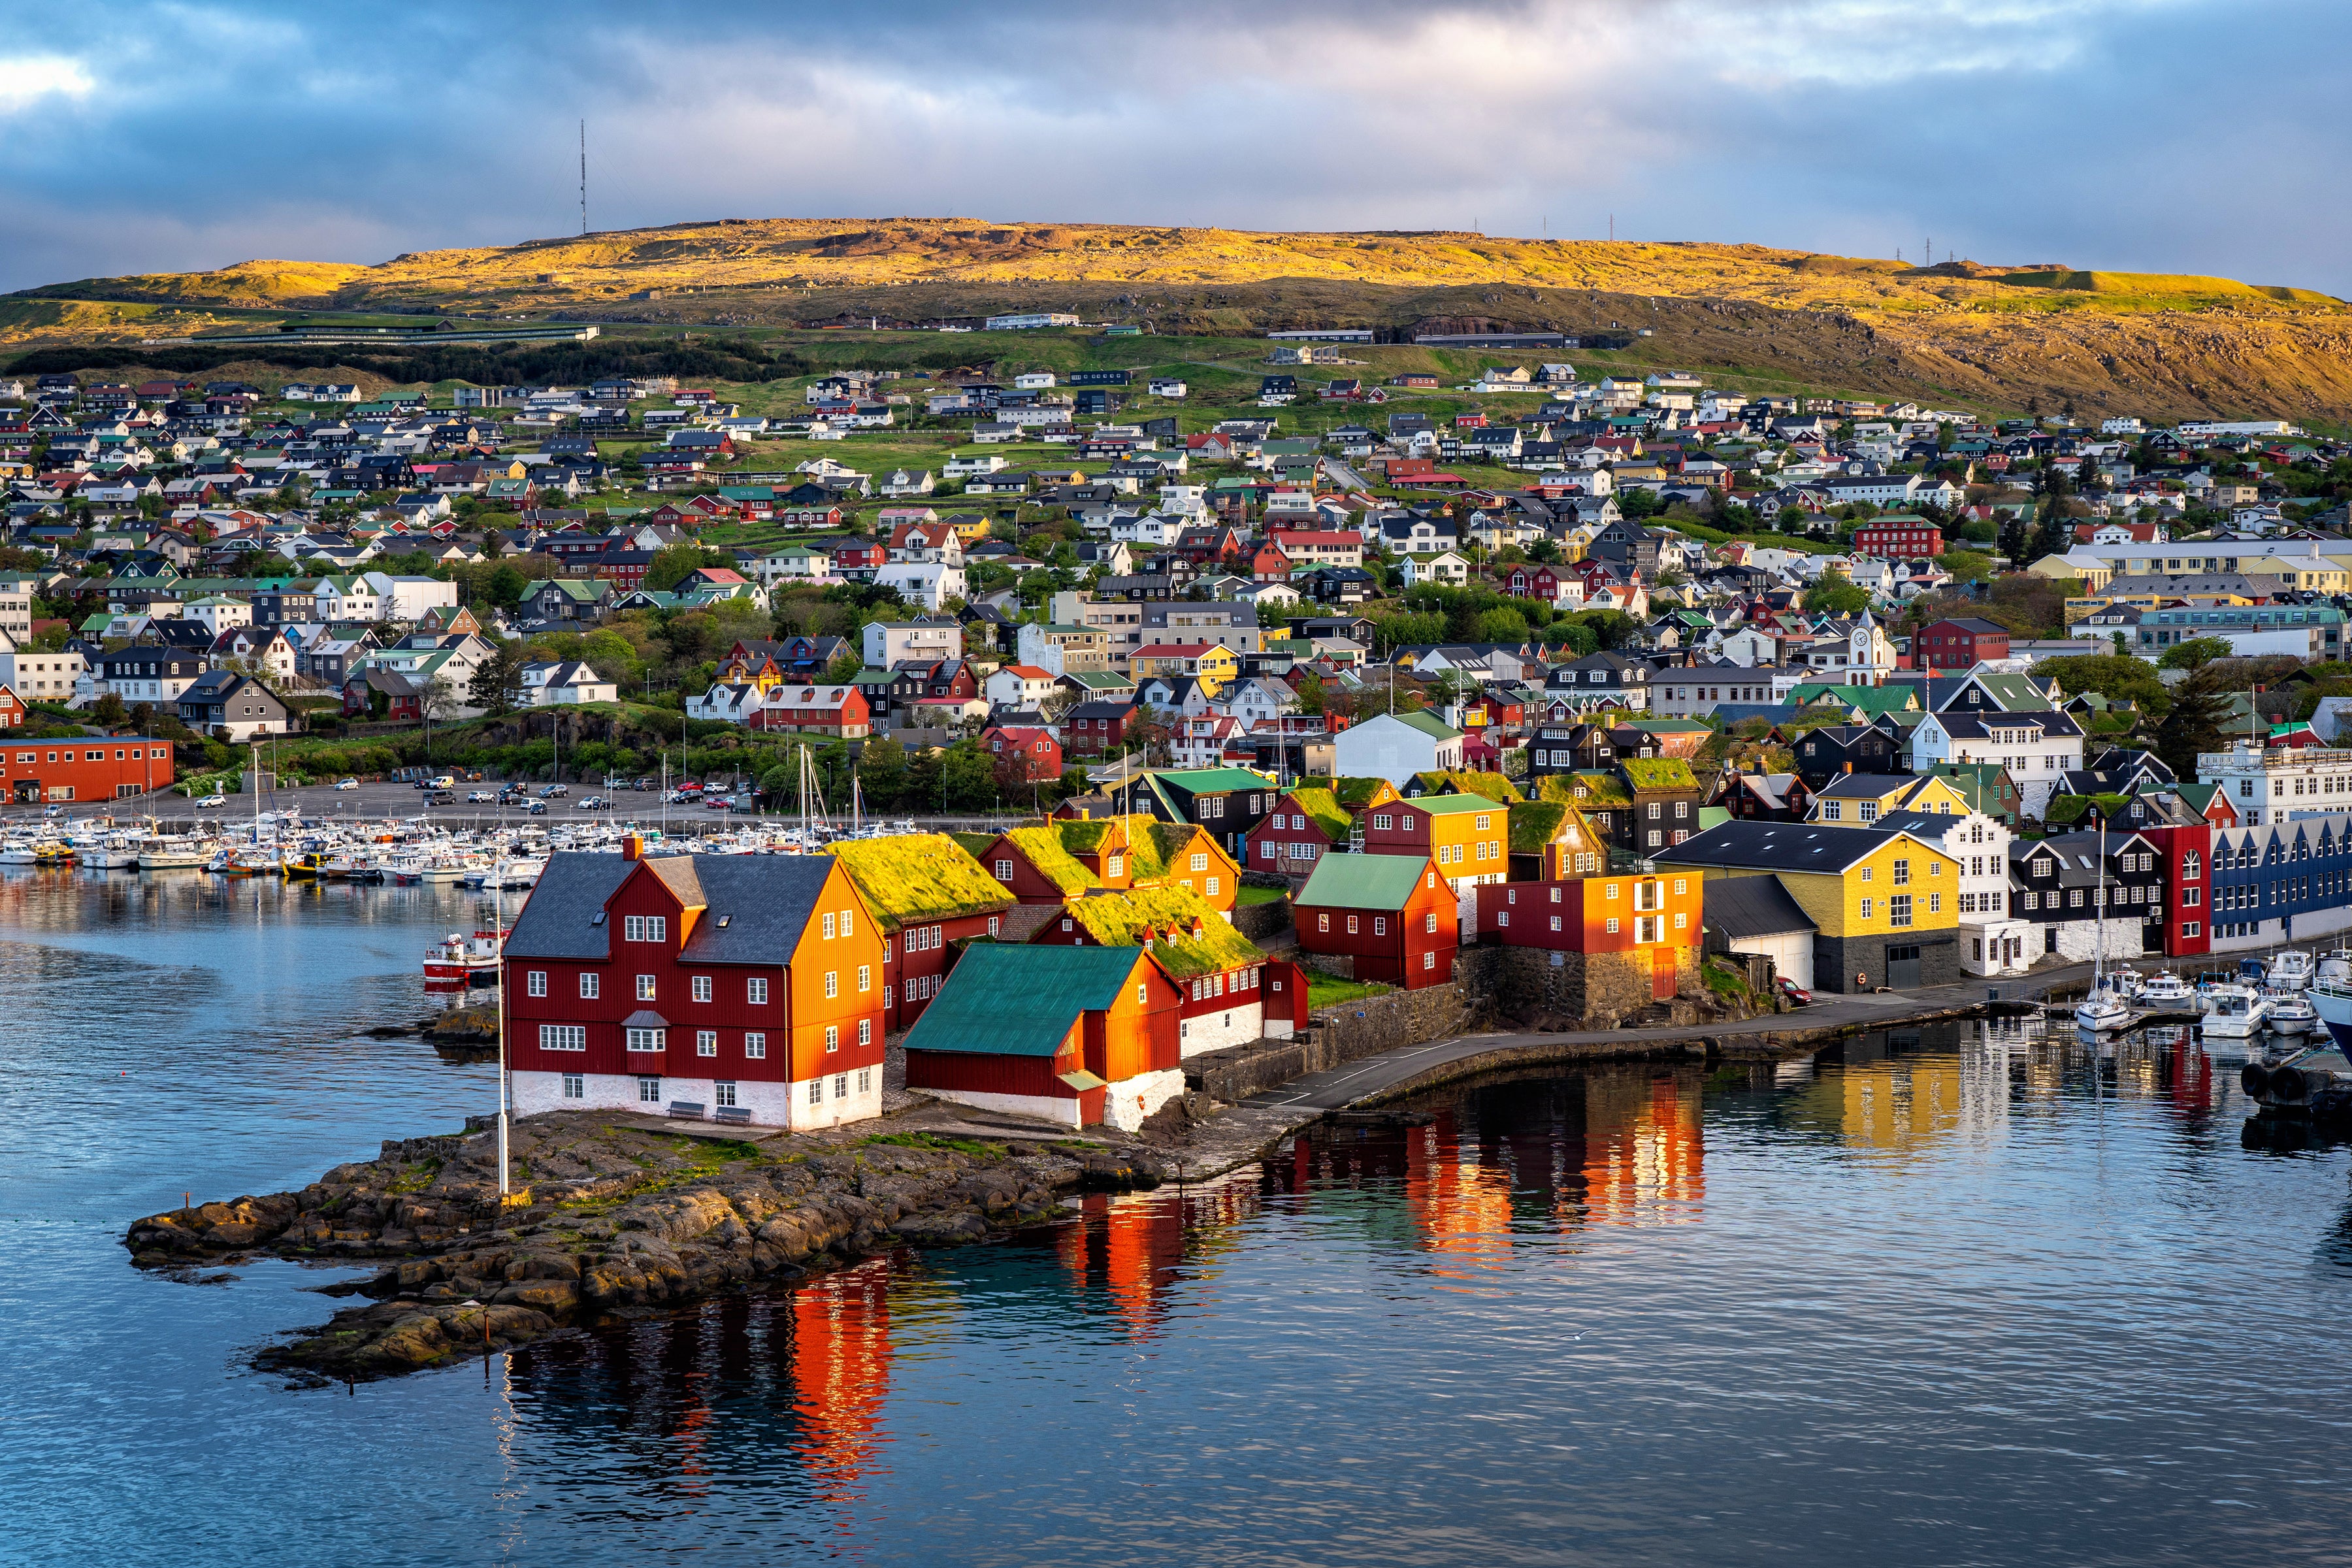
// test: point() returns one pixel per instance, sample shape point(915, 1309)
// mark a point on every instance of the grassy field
point(1261, 896)
point(1322, 991)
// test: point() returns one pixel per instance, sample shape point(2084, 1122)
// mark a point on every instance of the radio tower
point(583, 178)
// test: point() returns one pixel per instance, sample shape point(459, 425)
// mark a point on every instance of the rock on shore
point(619, 1220)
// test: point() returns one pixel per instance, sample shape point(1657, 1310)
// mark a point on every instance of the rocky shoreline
point(620, 1216)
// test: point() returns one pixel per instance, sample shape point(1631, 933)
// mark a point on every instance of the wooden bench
point(686, 1109)
point(734, 1113)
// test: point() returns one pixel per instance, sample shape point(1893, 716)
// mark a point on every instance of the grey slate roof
point(1778, 847)
point(555, 919)
point(1742, 907)
point(754, 907)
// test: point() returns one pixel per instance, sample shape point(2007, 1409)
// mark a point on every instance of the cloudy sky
point(2148, 135)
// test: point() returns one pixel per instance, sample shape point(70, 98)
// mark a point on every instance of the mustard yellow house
point(1885, 906)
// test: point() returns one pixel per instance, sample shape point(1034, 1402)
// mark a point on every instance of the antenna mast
point(583, 178)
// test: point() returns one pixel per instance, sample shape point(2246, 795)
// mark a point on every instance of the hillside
point(2014, 336)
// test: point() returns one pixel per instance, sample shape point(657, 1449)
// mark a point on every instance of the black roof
point(754, 907)
point(555, 919)
point(1778, 847)
point(1754, 906)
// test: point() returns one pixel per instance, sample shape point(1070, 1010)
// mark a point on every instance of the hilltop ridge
point(2162, 344)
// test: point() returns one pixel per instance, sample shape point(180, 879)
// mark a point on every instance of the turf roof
point(1322, 809)
point(1118, 919)
point(918, 877)
point(1357, 793)
point(1658, 773)
point(1537, 823)
point(1494, 786)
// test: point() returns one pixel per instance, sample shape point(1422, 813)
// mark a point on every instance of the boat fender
point(2289, 1087)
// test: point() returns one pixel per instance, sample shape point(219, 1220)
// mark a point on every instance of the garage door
point(1902, 966)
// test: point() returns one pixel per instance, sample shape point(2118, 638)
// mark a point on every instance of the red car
point(1797, 994)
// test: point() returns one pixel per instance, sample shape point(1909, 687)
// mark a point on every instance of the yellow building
point(1214, 663)
point(1857, 800)
point(1885, 907)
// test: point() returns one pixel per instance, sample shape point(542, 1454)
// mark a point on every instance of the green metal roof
point(1361, 882)
point(1429, 724)
point(1008, 1001)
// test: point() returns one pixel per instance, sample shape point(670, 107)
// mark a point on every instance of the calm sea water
point(1962, 1298)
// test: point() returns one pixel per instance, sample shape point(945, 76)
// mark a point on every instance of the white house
point(1993, 940)
point(409, 599)
point(1395, 746)
point(2038, 749)
point(930, 583)
point(1444, 568)
point(1019, 685)
point(566, 680)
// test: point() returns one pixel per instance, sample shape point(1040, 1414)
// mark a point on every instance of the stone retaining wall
point(1258, 922)
point(1347, 1033)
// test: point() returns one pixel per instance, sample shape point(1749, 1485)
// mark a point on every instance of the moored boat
point(460, 960)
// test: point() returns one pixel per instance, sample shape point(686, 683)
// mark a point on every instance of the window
point(833, 981)
point(1649, 928)
point(706, 1042)
point(1902, 873)
point(1867, 906)
point(1351, 925)
point(645, 928)
point(1429, 961)
point(817, 1091)
point(829, 932)
point(1610, 925)
point(535, 984)
point(644, 988)
point(865, 1031)
point(576, 1086)
point(865, 1079)
point(755, 1047)
point(722, 1093)
point(1407, 823)
point(646, 1040)
point(1322, 923)
point(1114, 867)
point(755, 991)
point(702, 988)
point(1004, 871)
point(849, 926)
point(1935, 903)
point(1379, 925)
point(841, 1085)
point(562, 1036)
point(588, 986)
point(1898, 910)
point(649, 1090)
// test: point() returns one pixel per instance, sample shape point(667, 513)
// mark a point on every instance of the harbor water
point(1970, 1295)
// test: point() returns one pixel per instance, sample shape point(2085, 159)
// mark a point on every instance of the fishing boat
point(2288, 970)
point(2165, 991)
point(460, 960)
point(173, 855)
point(2331, 994)
point(115, 852)
point(308, 866)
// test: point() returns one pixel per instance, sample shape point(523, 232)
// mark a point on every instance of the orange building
point(1074, 1035)
point(1068, 857)
point(1645, 928)
point(1467, 836)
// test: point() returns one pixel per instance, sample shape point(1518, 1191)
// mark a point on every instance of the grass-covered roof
point(1119, 919)
point(1466, 781)
point(1658, 773)
point(1322, 809)
point(914, 876)
point(1044, 850)
point(1355, 794)
point(1587, 790)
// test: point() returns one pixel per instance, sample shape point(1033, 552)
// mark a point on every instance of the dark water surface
point(1960, 1298)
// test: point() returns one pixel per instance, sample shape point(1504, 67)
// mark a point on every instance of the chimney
point(632, 847)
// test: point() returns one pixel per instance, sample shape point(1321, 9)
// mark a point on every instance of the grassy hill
point(2045, 336)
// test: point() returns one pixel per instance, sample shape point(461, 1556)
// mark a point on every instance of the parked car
point(441, 797)
point(482, 797)
point(594, 803)
point(717, 801)
point(533, 807)
point(1797, 994)
point(204, 803)
point(347, 783)
point(689, 787)
point(555, 792)
point(678, 797)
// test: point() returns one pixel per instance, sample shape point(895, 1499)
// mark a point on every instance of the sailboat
point(2103, 1009)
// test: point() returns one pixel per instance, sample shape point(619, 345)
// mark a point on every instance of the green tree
point(1833, 594)
point(2192, 725)
point(2194, 654)
point(2115, 677)
point(497, 686)
point(2012, 537)
point(505, 586)
point(109, 712)
point(884, 773)
point(843, 668)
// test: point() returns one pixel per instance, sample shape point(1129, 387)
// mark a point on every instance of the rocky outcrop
point(616, 1219)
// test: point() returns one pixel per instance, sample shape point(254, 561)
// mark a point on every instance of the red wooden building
point(2185, 855)
point(1959, 644)
point(1066, 858)
point(839, 711)
point(729, 986)
point(81, 767)
point(1305, 824)
point(1077, 1036)
point(1899, 537)
point(925, 894)
point(1094, 728)
point(1649, 929)
point(1394, 916)
point(1032, 756)
point(1219, 973)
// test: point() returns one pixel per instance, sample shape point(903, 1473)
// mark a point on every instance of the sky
point(2137, 135)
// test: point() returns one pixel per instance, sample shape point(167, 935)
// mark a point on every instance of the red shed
point(1959, 644)
point(1393, 914)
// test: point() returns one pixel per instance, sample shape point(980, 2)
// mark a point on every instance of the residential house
point(928, 898)
point(231, 707)
point(1637, 937)
point(1384, 918)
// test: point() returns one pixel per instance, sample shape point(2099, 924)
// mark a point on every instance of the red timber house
point(741, 988)
point(1220, 976)
point(1073, 1035)
point(1305, 825)
point(841, 712)
point(1393, 916)
point(926, 896)
point(1958, 644)
point(1899, 536)
point(1068, 858)
point(1033, 755)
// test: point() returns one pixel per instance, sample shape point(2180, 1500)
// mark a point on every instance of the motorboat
point(2288, 970)
point(172, 855)
point(2291, 1013)
point(116, 852)
point(2167, 991)
point(460, 960)
point(2232, 1014)
point(2331, 994)
point(2103, 1011)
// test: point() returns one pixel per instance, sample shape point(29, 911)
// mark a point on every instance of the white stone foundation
point(2080, 939)
point(1126, 1102)
point(1044, 1107)
point(770, 1104)
point(1227, 1027)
